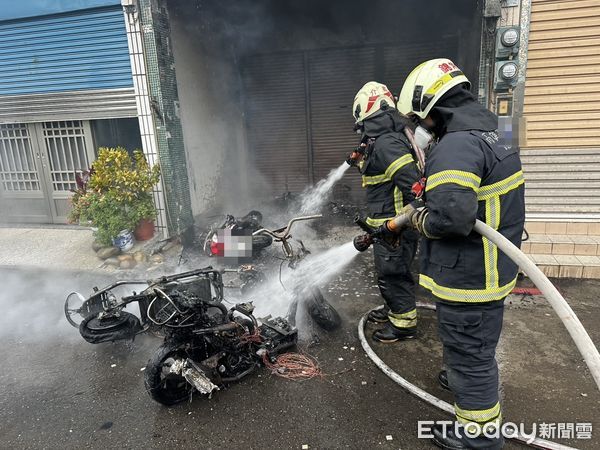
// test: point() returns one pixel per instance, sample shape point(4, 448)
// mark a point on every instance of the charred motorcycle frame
point(206, 345)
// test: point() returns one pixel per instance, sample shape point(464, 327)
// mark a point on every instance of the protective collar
point(386, 122)
point(458, 110)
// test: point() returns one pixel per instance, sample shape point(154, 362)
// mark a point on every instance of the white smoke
point(31, 304)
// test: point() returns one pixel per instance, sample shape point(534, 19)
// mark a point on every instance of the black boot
point(443, 380)
point(390, 333)
point(448, 440)
point(379, 315)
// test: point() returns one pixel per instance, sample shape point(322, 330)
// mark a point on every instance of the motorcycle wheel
point(164, 387)
point(322, 312)
point(74, 306)
point(95, 330)
point(261, 241)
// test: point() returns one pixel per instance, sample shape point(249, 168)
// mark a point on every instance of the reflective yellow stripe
point(466, 295)
point(490, 250)
point(501, 187)
point(404, 320)
point(398, 205)
point(480, 416)
point(397, 165)
point(441, 81)
point(375, 179)
point(491, 195)
point(368, 180)
point(466, 179)
point(377, 222)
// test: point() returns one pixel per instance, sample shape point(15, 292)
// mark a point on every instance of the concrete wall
point(210, 111)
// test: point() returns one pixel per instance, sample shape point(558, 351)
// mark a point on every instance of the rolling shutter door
point(562, 183)
point(562, 109)
point(66, 66)
point(275, 104)
point(335, 76)
point(400, 60)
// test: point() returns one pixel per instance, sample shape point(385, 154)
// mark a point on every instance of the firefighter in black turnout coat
point(388, 172)
point(470, 175)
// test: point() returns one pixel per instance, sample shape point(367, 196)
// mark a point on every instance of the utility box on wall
point(506, 71)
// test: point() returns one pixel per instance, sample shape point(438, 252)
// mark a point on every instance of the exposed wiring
point(294, 366)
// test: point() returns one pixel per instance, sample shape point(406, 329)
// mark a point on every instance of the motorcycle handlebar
point(284, 233)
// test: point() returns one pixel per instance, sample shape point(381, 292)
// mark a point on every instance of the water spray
point(314, 198)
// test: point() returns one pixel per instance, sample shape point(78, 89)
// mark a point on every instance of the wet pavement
point(60, 392)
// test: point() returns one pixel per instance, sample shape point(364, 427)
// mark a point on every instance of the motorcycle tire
point(123, 327)
point(321, 311)
point(253, 216)
point(261, 241)
point(166, 389)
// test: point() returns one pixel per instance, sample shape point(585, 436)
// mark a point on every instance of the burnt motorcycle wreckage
point(206, 345)
point(247, 225)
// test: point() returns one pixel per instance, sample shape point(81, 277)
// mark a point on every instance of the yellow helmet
point(370, 100)
point(426, 84)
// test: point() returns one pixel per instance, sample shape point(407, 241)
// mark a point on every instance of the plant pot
point(124, 240)
point(144, 230)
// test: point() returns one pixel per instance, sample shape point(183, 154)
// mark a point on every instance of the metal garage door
point(562, 110)
point(335, 76)
point(66, 66)
point(286, 91)
point(276, 120)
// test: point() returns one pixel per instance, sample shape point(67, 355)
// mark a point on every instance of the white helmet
point(370, 100)
point(426, 84)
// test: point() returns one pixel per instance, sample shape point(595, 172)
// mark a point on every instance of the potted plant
point(79, 200)
point(143, 212)
point(110, 217)
point(116, 196)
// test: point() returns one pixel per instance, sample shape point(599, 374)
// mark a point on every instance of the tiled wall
point(564, 249)
point(570, 228)
point(156, 93)
point(142, 99)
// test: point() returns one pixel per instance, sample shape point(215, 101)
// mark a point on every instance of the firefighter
point(469, 175)
point(388, 172)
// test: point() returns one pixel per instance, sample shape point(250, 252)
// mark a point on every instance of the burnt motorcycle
point(206, 345)
point(247, 225)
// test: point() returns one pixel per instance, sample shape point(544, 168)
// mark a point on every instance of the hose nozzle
point(362, 242)
point(353, 158)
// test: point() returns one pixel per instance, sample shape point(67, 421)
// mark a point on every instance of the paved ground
point(61, 392)
point(63, 247)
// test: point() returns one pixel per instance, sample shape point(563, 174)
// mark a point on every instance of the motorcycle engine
point(277, 335)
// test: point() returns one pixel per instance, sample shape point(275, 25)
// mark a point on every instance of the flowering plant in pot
point(79, 200)
point(118, 194)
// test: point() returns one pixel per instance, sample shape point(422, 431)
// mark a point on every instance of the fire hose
point(582, 340)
